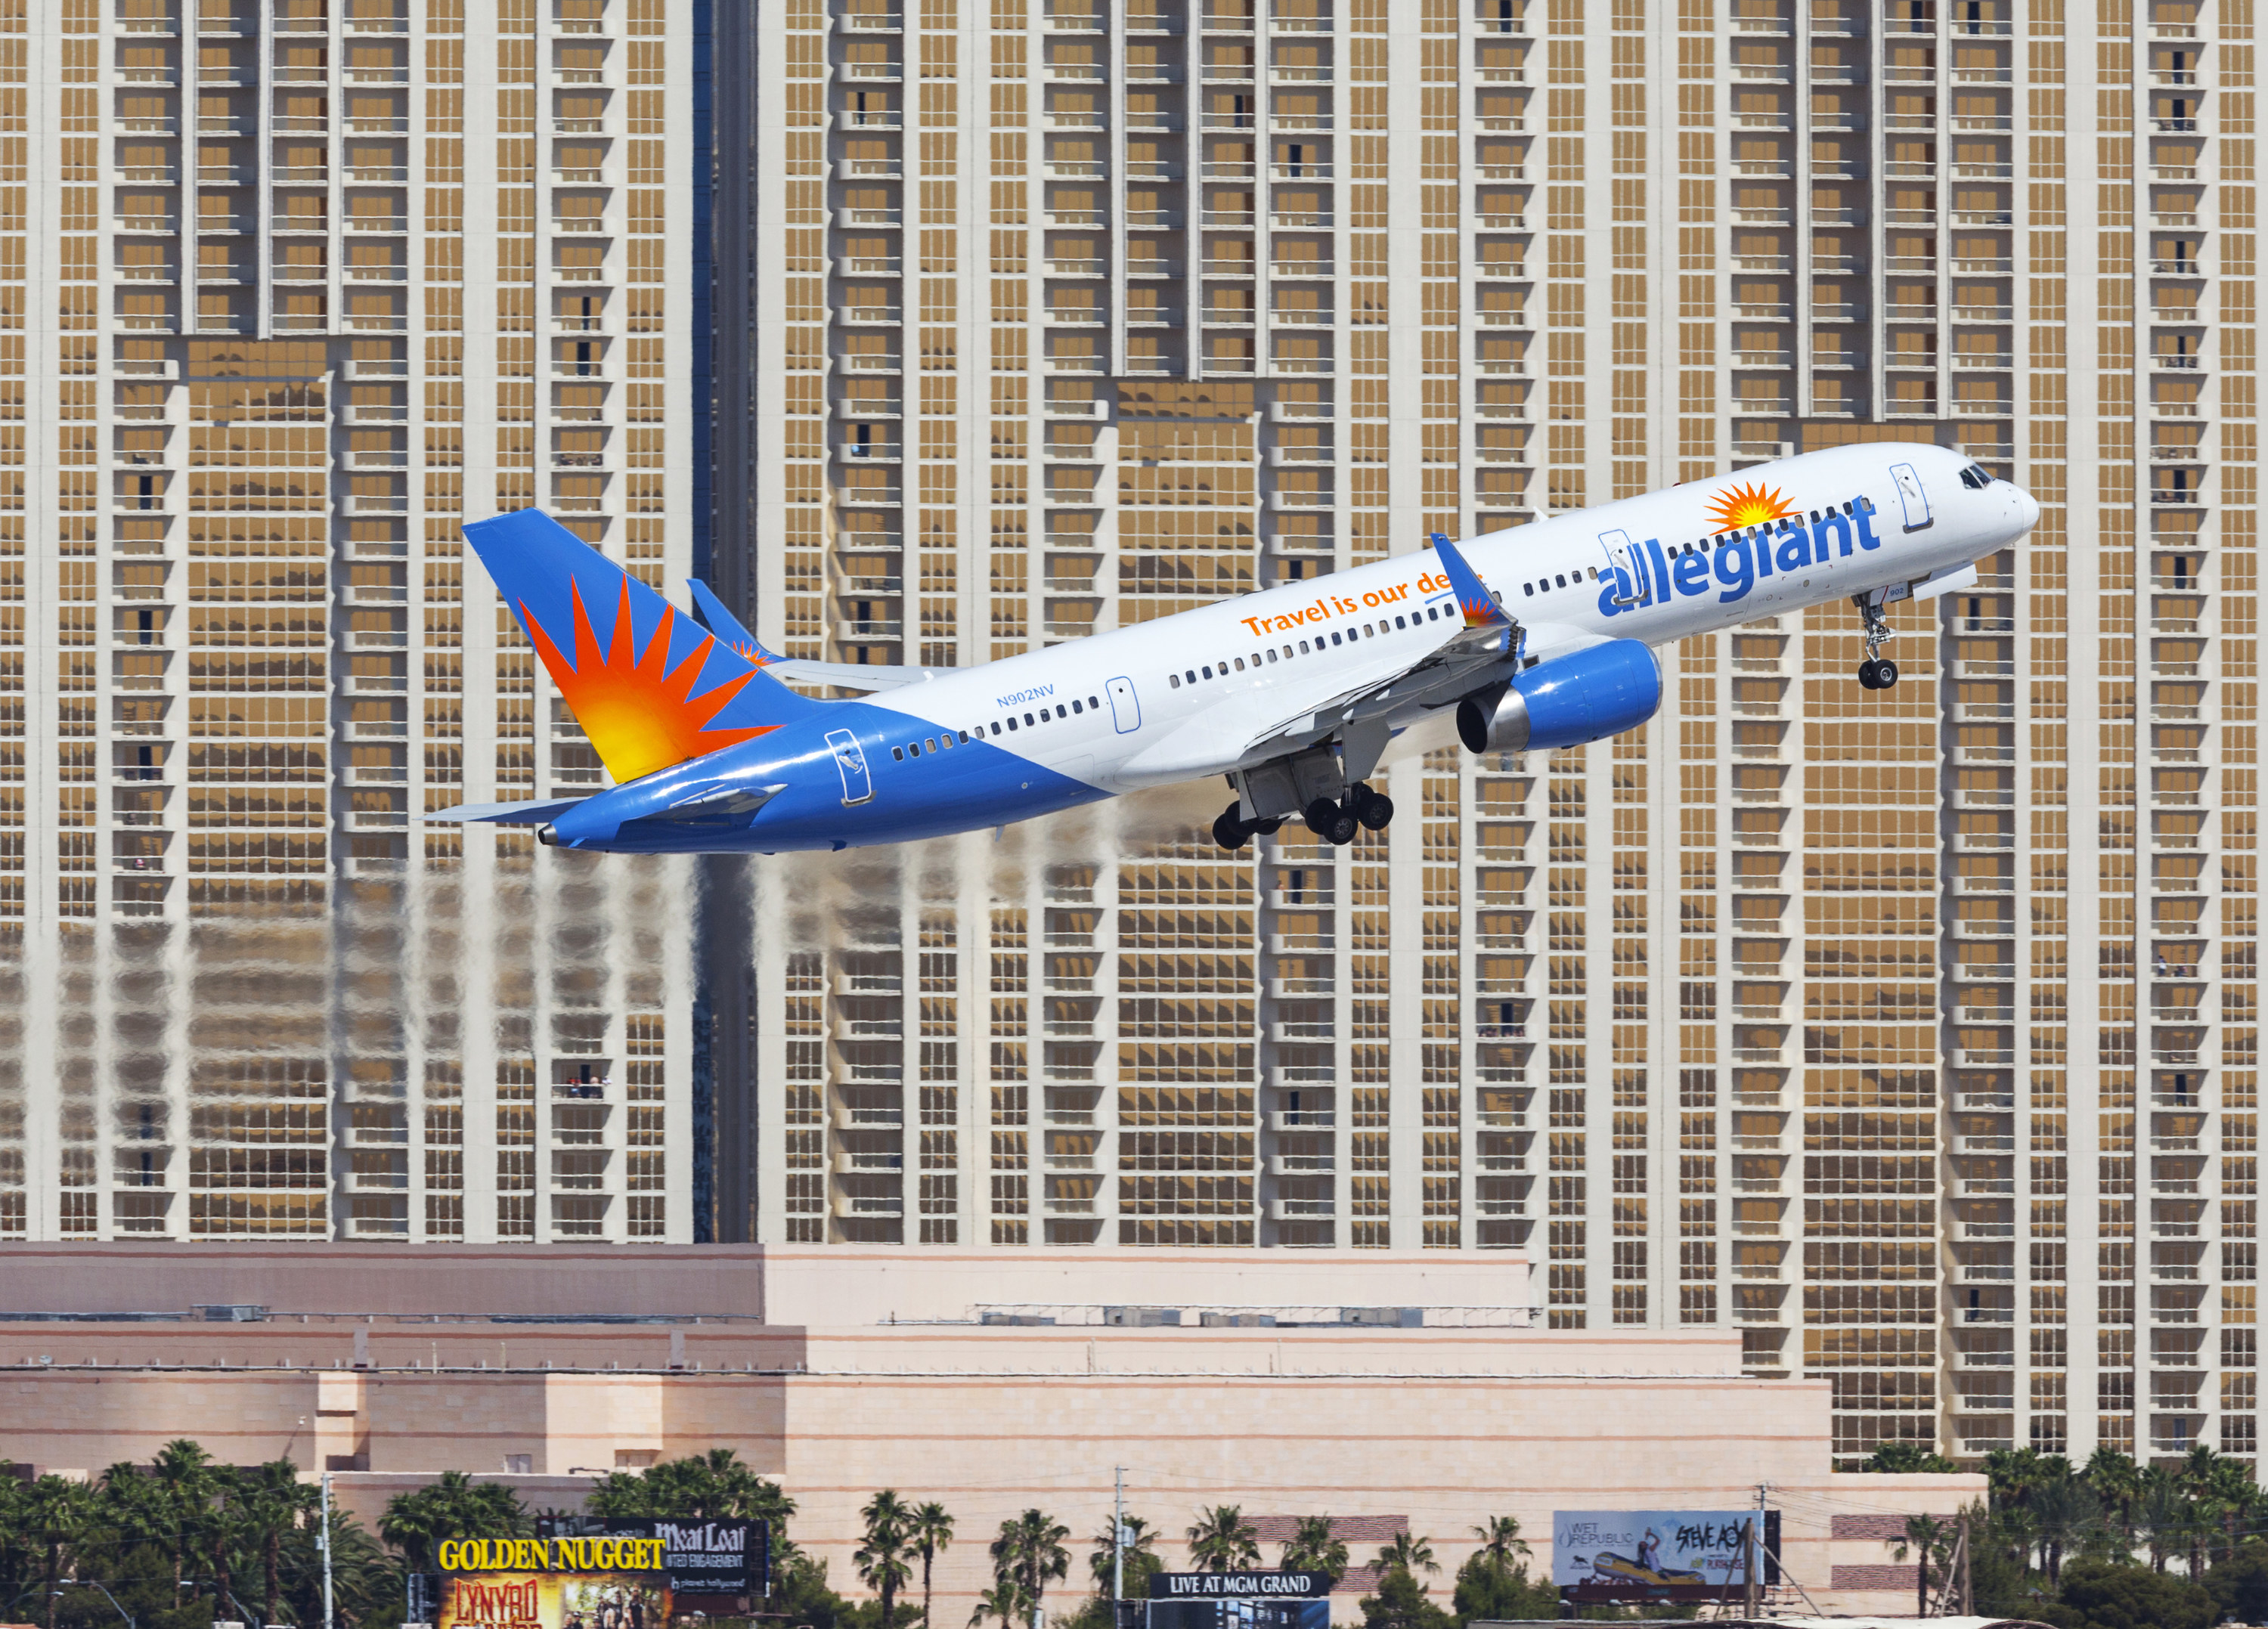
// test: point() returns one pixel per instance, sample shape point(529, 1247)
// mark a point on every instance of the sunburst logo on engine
point(1739, 506)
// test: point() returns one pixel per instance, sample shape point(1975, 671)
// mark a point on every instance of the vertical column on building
point(15, 316)
point(2236, 515)
point(1573, 1128)
point(431, 404)
point(1719, 1236)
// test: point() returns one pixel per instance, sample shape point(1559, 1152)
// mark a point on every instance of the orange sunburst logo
point(640, 714)
point(1739, 506)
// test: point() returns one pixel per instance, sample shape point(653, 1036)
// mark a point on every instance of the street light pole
point(1117, 1541)
point(323, 1542)
point(89, 1583)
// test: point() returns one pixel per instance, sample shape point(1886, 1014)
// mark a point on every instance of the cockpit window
point(1976, 475)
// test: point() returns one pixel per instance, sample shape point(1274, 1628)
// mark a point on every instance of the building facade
point(1910, 1034)
point(1245, 1378)
point(293, 287)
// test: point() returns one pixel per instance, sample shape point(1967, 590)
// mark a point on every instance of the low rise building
point(1388, 1391)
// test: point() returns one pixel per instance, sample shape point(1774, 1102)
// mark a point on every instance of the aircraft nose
point(2028, 510)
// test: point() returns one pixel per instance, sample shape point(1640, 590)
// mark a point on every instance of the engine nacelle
point(1586, 697)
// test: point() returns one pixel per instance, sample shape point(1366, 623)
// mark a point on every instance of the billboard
point(1256, 1585)
point(700, 1558)
point(1655, 1555)
point(554, 1601)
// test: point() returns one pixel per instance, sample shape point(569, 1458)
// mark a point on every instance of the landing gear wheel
point(1269, 826)
point(1229, 831)
point(1373, 809)
point(1886, 674)
point(1331, 823)
point(1870, 674)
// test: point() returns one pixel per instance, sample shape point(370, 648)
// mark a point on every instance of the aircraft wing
point(719, 620)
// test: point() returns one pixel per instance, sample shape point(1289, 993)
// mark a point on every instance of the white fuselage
point(1866, 518)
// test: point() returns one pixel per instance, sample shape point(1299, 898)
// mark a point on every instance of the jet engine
point(1584, 697)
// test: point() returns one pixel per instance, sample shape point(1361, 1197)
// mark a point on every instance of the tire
point(1342, 829)
point(1867, 676)
point(1320, 817)
point(1377, 810)
point(1269, 826)
point(1230, 832)
point(1886, 675)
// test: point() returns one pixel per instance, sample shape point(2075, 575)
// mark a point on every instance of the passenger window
point(1076, 706)
point(1190, 677)
point(1012, 721)
point(1062, 712)
point(1027, 720)
point(1338, 639)
point(1240, 664)
point(1401, 621)
point(1529, 589)
point(1173, 679)
point(899, 753)
point(931, 744)
point(1207, 672)
point(995, 726)
point(1271, 656)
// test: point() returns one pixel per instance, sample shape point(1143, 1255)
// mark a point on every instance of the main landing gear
point(1362, 808)
point(1875, 672)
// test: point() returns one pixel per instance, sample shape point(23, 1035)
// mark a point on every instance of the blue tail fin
point(649, 687)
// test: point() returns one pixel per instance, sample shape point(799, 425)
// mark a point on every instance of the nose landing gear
point(1875, 673)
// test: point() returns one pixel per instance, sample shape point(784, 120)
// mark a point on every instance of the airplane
point(1532, 638)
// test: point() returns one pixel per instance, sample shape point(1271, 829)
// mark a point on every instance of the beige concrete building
point(1909, 1036)
point(842, 1371)
point(293, 287)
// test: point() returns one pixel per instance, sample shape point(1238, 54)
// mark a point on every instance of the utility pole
point(1117, 1545)
point(1750, 1605)
point(323, 1542)
point(1968, 1599)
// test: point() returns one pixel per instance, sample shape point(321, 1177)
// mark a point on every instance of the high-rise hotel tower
point(1910, 1034)
point(288, 289)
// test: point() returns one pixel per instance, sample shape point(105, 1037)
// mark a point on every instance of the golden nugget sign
point(603, 1554)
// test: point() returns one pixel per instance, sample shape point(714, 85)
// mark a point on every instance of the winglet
point(720, 620)
point(1480, 607)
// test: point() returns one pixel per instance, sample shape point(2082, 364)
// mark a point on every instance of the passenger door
point(1623, 557)
point(1126, 709)
point(1910, 494)
point(851, 763)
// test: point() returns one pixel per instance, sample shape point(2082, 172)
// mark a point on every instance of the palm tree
point(2235, 1496)
point(452, 1506)
point(1141, 1552)
point(2117, 1482)
point(1500, 1542)
point(1030, 1552)
point(930, 1531)
point(1222, 1541)
point(1315, 1547)
point(183, 1472)
point(1405, 1554)
point(2164, 1509)
point(1926, 1541)
point(1004, 1603)
point(273, 1499)
point(2065, 1515)
point(882, 1559)
point(55, 1516)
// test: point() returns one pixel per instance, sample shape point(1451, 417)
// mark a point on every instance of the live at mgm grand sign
point(602, 1583)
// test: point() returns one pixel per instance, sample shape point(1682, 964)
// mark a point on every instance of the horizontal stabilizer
point(853, 676)
point(536, 812)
